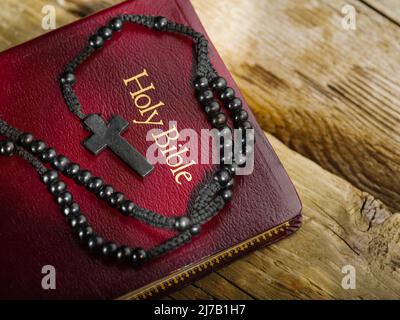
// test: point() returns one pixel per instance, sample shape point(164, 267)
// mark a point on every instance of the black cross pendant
point(109, 135)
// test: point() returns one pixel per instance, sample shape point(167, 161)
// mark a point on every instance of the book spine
point(193, 272)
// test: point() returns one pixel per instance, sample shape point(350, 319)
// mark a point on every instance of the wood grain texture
point(342, 226)
point(22, 20)
point(387, 8)
point(330, 94)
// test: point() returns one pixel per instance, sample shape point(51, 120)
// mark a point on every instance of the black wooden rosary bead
point(127, 207)
point(182, 223)
point(78, 221)
point(7, 148)
point(60, 162)
point(116, 24)
point(232, 168)
point(124, 253)
point(72, 170)
point(57, 187)
point(84, 233)
point(240, 116)
point(83, 177)
point(95, 243)
point(64, 198)
point(95, 184)
point(106, 192)
point(49, 176)
point(116, 199)
point(70, 210)
point(245, 125)
point(205, 97)
point(48, 155)
point(200, 84)
point(207, 202)
point(105, 33)
point(96, 41)
point(26, 139)
point(223, 177)
point(195, 230)
point(219, 120)
point(226, 195)
point(234, 105)
point(109, 250)
point(230, 184)
point(138, 256)
point(218, 84)
point(68, 78)
point(160, 23)
point(38, 146)
point(227, 94)
point(212, 108)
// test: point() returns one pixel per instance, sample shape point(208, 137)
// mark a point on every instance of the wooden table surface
point(329, 100)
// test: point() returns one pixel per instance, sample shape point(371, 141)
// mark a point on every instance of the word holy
point(149, 116)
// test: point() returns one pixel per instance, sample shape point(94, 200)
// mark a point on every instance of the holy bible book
point(34, 235)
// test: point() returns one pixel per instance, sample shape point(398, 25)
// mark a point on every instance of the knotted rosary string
point(213, 194)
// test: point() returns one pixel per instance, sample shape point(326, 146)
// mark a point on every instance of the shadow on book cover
point(265, 207)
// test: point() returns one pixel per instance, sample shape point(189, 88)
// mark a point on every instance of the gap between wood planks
point(325, 92)
point(388, 9)
point(371, 216)
point(341, 225)
point(373, 167)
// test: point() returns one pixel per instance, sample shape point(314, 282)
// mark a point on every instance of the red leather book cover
point(33, 233)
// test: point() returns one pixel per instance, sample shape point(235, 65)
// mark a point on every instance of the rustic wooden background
point(329, 99)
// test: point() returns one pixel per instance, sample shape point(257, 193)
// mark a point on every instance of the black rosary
point(210, 198)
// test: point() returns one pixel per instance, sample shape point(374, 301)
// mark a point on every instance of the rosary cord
point(204, 197)
point(78, 221)
point(13, 134)
point(170, 244)
point(36, 164)
point(206, 205)
point(72, 101)
point(204, 67)
point(8, 131)
point(206, 214)
point(209, 200)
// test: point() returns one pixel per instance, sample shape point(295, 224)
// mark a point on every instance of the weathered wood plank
point(221, 288)
point(388, 8)
point(342, 226)
point(191, 292)
point(22, 20)
point(328, 93)
point(308, 107)
point(308, 80)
